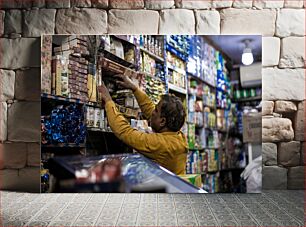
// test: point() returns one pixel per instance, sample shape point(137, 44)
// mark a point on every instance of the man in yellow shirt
point(167, 146)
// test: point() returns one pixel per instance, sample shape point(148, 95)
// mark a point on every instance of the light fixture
point(247, 56)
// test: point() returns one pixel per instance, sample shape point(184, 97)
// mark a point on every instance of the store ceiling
point(232, 46)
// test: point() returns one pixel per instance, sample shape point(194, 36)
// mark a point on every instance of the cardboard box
point(252, 128)
point(92, 88)
point(194, 179)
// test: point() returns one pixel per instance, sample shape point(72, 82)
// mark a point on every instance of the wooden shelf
point(177, 89)
point(64, 145)
point(61, 98)
point(201, 80)
point(124, 39)
point(256, 98)
point(118, 60)
point(156, 57)
point(178, 70)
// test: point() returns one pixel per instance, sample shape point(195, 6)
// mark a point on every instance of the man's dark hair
point(173, 110)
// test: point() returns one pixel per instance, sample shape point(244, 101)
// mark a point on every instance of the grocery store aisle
point(271, 208)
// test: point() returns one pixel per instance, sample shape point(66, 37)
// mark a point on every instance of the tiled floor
point(271, 208)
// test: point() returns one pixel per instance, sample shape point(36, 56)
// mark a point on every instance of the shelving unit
point(158, 73)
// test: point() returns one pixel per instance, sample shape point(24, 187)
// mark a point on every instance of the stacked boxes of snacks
point(46, 58)
point(70, 69)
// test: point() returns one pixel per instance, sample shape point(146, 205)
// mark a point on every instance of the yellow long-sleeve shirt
point(168, 149)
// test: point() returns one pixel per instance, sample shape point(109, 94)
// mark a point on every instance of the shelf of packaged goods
point(64, 145)
point(176, 69)
point(118, 60)
point(256, 98)
point(153, 77)
point(176, 52)
point(156, 57)
point(225, 92)
point(177, 89)
point(117, 68)
point(124, 38)
point(61, 98)
point(201, 80)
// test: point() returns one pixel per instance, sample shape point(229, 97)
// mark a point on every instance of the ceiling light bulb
point(247, 57)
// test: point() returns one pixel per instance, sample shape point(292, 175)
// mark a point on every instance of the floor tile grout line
point(95, 224)
point(62, 210)
point(279, 197)
point(196, 216)
point(137, 210)
point(216, 219)
point(79, 213)
point(36, 214)
point(42, 209)
point(174, 203)
point(249, 212)
point(122, 201)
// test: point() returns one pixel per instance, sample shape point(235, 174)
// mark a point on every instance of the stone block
point(13, 155)
point(191, 4)
point(274, 177)
point(133, 22)
point(27, 86)
point(15, 4)
point(289, 154)
point(293, 3)
point(261, 4)
point(13, 21)
point(126, 4)
point(80, 3)
point(7, 85)
point(221, 4)
point(276, 130)
point(296, 177)
point(285, 107)
point(24, 180)
point(283, 84)
point(55, 4)
point(248, 21)
point(3, 121)
point(290, 22)
point(159, 4)
point(208, 22)
point(242, 4)
point(299, 122)
point(39, 3)
point(33, 158)
point(81, 21)
point(269, 154)
point(303, 160)
point(270, 51)
point(177, 21)
point(292, 52)
point(16, 52)
point(99, 3)
point(2, 16)
point(267, 107)
point(38, 22)
point(24, 122)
